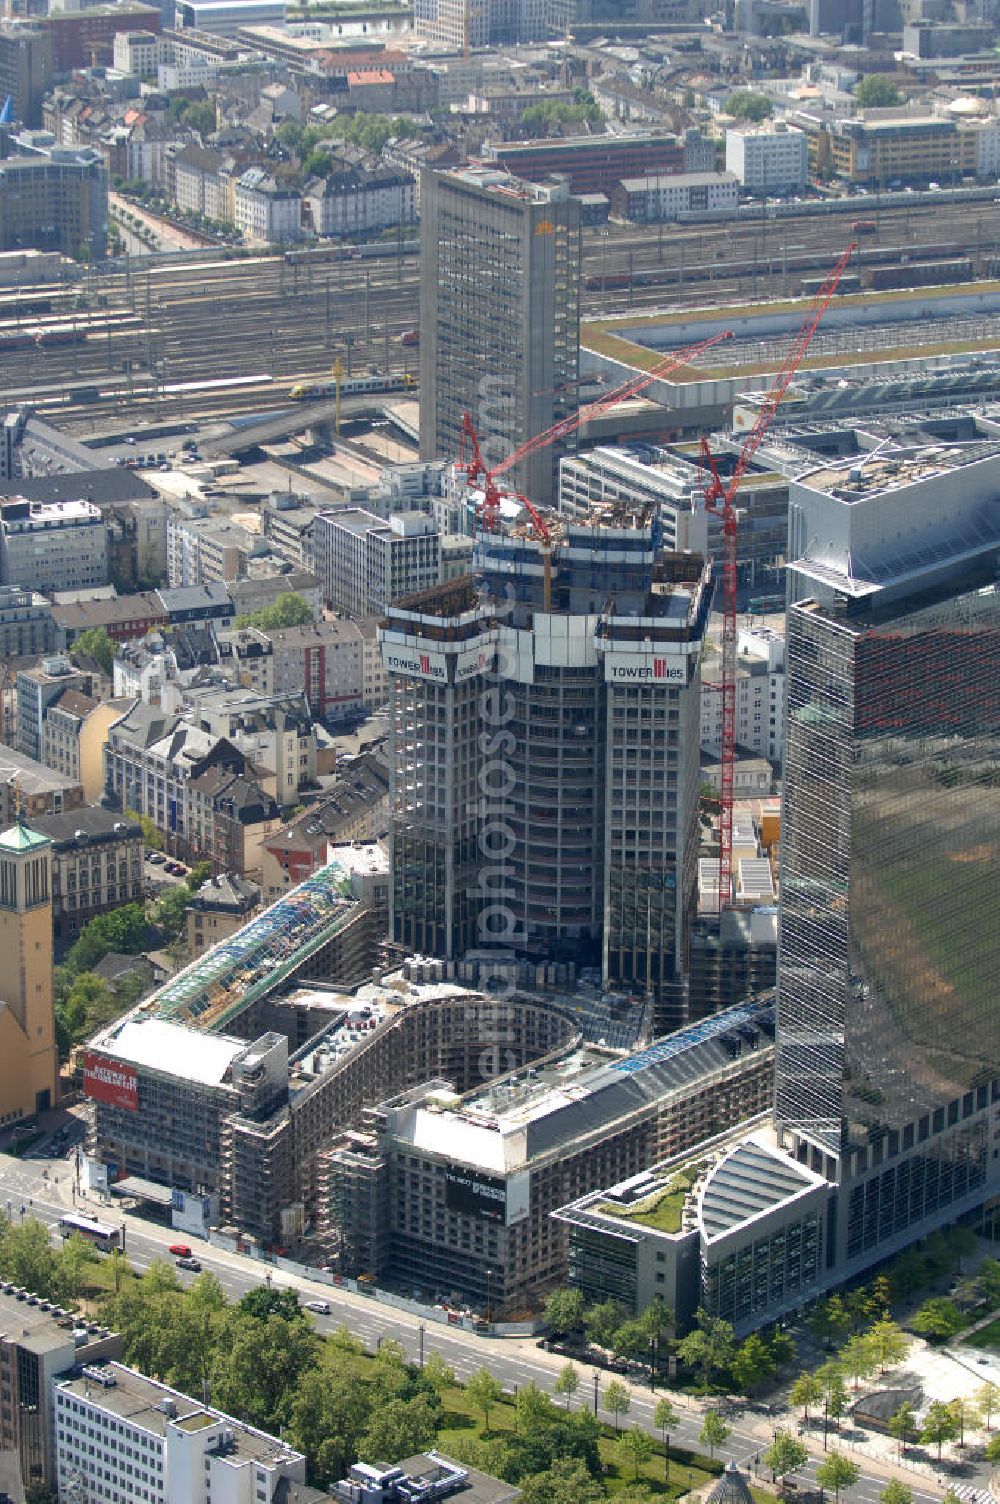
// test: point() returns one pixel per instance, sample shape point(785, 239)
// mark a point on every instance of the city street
point(512, 1361)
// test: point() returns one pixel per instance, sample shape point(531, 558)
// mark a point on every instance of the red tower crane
point(475, 465)
point(719, 500)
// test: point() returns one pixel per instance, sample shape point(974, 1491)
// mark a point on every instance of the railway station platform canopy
point(258, 958)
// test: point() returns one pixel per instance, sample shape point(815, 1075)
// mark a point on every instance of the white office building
point(760, 695)
point(49, 546)
point(125, 1439)
point(665, 196)
point(365, 563)
point(768, 158)
point(639, 475)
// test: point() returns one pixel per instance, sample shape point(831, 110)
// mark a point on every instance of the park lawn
point(463, 1421)
point(987, 1336)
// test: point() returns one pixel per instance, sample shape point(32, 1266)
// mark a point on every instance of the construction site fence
point(378, 1296)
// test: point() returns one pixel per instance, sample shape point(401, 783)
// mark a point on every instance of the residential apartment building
point(356, 809)
point(288, 527)
point(97, 865)
point(652, 200)
point(769, 158)
point(124, 618)
point(261, 587)
point(232, 814)
point(365, 563)
point(246, 657)
point(197, 188)
point(37, 689)
point(189, 605)
point(221, 907)
point(325, 661)
point(360, 201)
point(126, 1439)
point(157, 765)
point(142, 669)
point(25, 68)
point(50, 546)
point(74, 727)
point(30, 786)
point(266, 212)
point(500, 283)
point(206, 550)
point(38, 1343)
point(275, 732)
point(27, 627)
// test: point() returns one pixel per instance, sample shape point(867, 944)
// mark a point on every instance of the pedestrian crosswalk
point(970, 1495)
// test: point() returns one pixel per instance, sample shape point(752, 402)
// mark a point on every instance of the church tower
point(28, 1058)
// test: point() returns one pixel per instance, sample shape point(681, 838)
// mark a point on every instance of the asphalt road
point(512, 1362)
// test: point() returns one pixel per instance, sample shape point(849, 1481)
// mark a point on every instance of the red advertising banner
point(111, 1082)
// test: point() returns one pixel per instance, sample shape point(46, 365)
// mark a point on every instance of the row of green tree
point(370, 132)
point(710, 1351)
point(263, 1362)
point(28, 1259)
point(938, 1318)
point(549, 116)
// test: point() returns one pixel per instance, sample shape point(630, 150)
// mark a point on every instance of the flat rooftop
point(32, 1323)
point(160, 1045)
point(584, 1091)
point(140, 1401)
point(905, 324)
point(860, 478)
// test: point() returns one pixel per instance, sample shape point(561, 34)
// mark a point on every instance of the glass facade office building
point(888, 1055)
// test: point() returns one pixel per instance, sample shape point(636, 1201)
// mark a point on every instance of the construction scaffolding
point(248, 965)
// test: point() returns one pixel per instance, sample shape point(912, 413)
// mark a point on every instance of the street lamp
point(421, 1329)
point(489, 1295)
point(597, 1381)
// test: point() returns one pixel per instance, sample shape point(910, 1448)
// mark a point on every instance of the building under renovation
point(226, 1082)
point(451, 1194)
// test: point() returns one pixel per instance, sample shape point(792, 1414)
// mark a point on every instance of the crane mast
point(720, 498)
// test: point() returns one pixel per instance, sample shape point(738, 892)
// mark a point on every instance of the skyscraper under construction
point(544, 752)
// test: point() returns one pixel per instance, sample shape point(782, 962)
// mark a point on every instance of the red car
point(180, 1250)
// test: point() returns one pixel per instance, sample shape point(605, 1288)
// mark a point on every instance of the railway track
point(205, 318)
